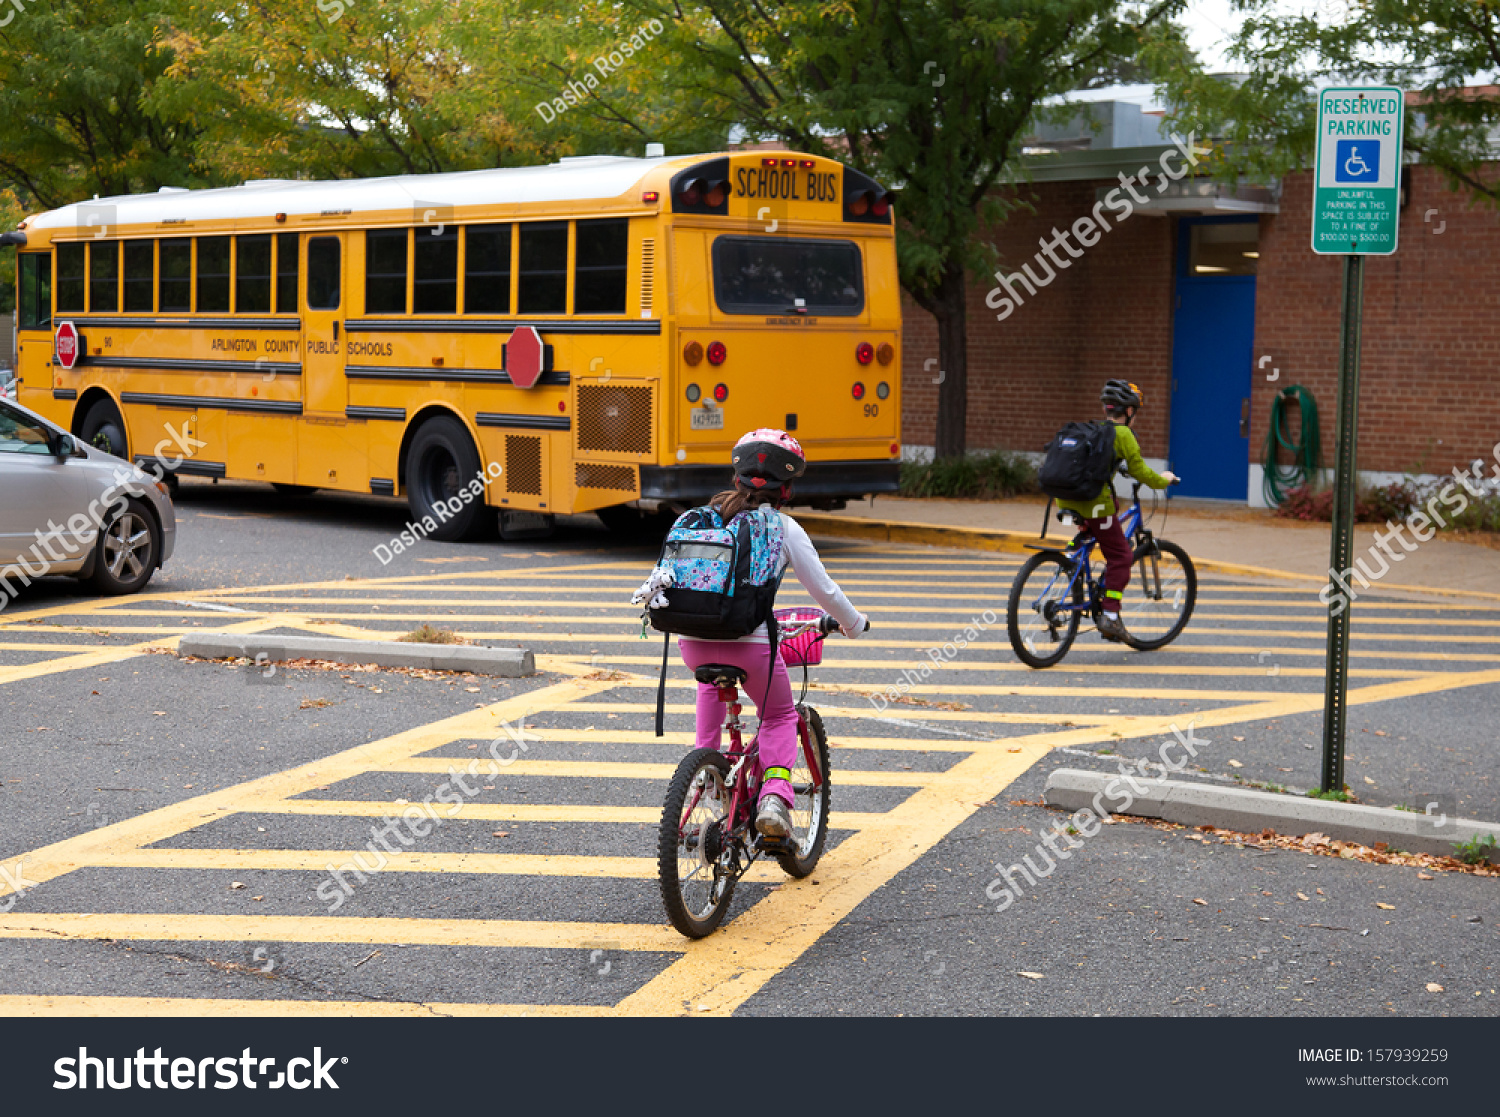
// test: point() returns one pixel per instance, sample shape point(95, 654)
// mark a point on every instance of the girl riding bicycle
point(766, 461)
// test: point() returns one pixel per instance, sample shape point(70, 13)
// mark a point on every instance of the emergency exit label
point(1356, 199)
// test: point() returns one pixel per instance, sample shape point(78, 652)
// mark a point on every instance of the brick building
point(1213, 301)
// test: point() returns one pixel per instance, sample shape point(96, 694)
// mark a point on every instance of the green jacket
point(1128, 450)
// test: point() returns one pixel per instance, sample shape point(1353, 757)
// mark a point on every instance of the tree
point(1445, 51)
point(932, 99)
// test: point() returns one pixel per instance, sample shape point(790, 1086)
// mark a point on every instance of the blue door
point(1213, 332)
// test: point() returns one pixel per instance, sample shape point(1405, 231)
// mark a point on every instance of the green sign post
point(1356, 204)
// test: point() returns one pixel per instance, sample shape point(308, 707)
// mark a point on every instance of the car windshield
point(781, 275)
point(19, 435)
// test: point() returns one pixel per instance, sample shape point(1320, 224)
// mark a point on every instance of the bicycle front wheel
point(810, 811)
point(695, 824)
point(1160, 598)
point(1038, 617)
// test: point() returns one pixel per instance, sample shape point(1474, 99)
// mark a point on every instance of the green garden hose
point(1307, 456)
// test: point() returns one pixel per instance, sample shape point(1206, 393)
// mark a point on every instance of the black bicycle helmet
point(1121, 394)
point(767, 456)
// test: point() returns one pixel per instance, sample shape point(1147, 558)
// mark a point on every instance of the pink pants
point(778, 718)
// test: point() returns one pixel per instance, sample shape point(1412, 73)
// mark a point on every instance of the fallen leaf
point(1434, 987)
point(472, 689)
point(1012, 750)
point(160, 713)
point(1369, 781)
point(1203, 902)
point(1385, 907)
point(1300, 896)
point(1028, 973)
point(1381, 733)
point(1235, 764)
point(234, 885)
point(501, 834)
point(1239, 738)
point(257, 897)
point(1424, 876)
point(400, 802)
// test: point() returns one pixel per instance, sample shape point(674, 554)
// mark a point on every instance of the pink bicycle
point(708, 838)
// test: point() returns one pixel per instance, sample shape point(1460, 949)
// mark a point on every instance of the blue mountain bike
point(1056, 587)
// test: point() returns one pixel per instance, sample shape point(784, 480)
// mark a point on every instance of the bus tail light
point(886, 353)
point(692, 193)
point(859, 390)
point(692, 353)
point(715, 195)
point(721, 392)
point(880, 206)
point(864, 352)
point(703, 188)
point(865, 199)
point(717, 354)
point(859, 205)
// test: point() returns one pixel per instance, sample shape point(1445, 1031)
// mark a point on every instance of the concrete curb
point(509, 663)
point(1248, 811)
point(1015, 542)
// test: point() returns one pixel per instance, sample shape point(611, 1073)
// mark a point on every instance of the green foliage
point(979, 476)
point(1482, 514)
point(1437, 49)
point(1475, 851)
point(1338, 795)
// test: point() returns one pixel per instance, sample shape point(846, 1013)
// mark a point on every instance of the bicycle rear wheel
point(1161, 595)
point(810, 811)
point(694, 824)
point(1037, 617)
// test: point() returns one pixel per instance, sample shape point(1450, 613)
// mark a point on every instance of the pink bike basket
point(806, 648)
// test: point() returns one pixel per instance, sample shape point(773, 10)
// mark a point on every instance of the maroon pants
point(1116, 550)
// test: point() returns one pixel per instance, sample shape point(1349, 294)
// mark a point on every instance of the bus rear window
point(768, 275)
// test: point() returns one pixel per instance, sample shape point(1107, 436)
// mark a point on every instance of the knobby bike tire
point(815, 836)
point(700, 915)
point(1069, 629)
point(1138, 605)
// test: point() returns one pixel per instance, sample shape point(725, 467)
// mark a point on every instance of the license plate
point(708, 419)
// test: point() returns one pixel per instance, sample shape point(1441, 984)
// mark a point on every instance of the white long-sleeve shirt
point(801, 556)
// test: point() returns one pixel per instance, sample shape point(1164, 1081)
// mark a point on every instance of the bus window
point(435, 271)
point(601, 257)
point(140, 276)
point(767, 275)
point(213, 274)
point(487, 269)
point(70, 277)
point(104, 276)
point(323, 273)
point(174, 282)
point(252, 275)
point(544, 268)
point(385, 272)
point(286, 273)
point(34, 304)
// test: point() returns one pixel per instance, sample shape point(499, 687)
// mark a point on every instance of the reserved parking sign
point(1356, 200)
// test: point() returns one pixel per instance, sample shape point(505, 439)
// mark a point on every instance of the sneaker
point(774, 820)
point(1111, 627)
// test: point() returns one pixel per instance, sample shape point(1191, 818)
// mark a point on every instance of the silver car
point(67, 508)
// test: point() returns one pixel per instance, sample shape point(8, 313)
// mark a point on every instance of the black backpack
point(1080, 459)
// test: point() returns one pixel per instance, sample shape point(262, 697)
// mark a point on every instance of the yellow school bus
point(582, 336)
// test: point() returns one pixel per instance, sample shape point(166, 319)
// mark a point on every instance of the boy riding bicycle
point(1121, 400)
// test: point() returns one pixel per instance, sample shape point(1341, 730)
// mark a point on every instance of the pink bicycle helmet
point(767, 457)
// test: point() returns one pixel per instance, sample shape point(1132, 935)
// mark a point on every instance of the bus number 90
point(872, 410)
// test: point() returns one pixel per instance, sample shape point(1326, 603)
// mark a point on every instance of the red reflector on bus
point(650, 196)
point(859, 390)
point(864, 353)
point(716, 356)
point(721, 392)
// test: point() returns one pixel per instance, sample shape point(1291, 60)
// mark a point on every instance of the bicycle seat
point(720, 674)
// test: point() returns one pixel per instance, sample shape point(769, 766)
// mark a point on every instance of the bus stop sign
point(1356, 199)
point(68, 345)
point(523, 357)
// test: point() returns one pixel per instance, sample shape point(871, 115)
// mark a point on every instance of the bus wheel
point(440, 465)
point(103, 429)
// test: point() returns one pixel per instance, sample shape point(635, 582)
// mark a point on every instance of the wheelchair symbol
point(1351, 163)
point(1354, 166)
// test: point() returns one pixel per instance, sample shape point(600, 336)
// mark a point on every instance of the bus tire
point(104, 429)
point(441, 462)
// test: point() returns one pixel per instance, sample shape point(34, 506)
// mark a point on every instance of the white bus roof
point(573, 179)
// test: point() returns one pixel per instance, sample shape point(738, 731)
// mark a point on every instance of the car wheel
point(129, 549)
point(103, 429)
point(442, 461)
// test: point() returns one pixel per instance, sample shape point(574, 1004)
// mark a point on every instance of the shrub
point(984, 476)
point(1377, 505)
point(1482, 514)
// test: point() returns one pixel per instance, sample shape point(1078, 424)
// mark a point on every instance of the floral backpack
point(714, 580)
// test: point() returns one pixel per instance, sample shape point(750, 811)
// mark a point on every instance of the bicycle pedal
point(774, 845)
